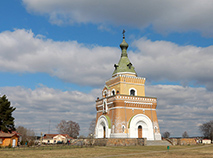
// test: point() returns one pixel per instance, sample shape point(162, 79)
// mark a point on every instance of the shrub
point(9, 146)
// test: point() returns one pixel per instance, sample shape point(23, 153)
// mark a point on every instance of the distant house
point(7, 139)
point(55, 138)
point(206, 141)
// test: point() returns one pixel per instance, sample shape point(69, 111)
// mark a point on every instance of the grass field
point(202, 151)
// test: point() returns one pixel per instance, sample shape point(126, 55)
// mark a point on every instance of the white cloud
point(182, 108)
point(165, 15)
point(70, 61)
point(35, 108)
point(22, 51)
point(179, 108)
point(161, 60)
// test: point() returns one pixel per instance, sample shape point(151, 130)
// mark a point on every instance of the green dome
point(124, 65)
point(124, 45)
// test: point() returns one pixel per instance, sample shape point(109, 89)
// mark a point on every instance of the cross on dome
point(123, 33)
point(124, 65)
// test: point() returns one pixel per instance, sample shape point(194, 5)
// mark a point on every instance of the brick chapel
point(124, 111)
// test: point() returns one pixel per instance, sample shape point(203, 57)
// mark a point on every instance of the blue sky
point(56, 55)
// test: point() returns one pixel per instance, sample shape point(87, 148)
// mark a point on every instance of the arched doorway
point(104, 129)
point(139, 131)
point(146, 127)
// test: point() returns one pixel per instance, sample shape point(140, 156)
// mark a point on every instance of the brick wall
point(110, 142)
point(183, 141)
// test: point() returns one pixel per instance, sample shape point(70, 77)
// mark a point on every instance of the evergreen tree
point(6, 119)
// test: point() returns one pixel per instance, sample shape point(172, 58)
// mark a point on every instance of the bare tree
point(68, 127)
point(207, 129)
point(185, 135)
point(166, 134)
point(92, 127)
point(27, 135)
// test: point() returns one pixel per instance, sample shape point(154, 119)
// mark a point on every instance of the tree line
point(206, 129)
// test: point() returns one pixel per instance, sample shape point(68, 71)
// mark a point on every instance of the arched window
point(105, 106)
point(133, 92)
point(105, 93)
point(113, 92)
point(123, 128)
point(156, 129)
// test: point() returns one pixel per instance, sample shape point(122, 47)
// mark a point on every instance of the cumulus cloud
point(182, 108)
point(36, 108)
point(165, 15)
point(179, 108)
point(22, 51)
point(161, 60)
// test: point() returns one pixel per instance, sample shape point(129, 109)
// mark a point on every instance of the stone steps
point(157, 143)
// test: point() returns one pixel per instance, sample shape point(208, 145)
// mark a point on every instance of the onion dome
point(124, 66)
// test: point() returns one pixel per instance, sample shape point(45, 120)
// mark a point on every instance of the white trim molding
point(132, 102)
point(134, 108)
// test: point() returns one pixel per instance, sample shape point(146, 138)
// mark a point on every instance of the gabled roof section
point(124, 66)
point(8, 135)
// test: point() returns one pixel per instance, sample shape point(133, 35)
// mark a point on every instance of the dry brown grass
point(114, 152)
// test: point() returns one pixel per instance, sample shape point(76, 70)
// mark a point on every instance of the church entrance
point(141, 127)
point(104, 131)
point(139, 131)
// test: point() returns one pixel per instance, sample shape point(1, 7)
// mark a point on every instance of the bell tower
point(124, 111)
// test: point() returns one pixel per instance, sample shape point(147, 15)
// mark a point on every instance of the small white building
point(206, 141)
point(55, 138)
